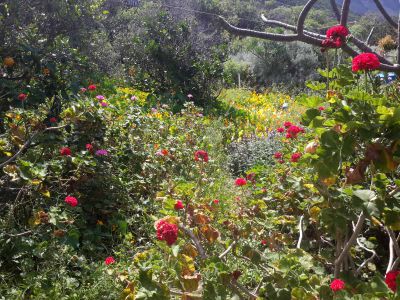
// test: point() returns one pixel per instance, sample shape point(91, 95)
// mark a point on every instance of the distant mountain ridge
point(368, 6)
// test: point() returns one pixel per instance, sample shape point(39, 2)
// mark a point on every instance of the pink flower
point(190, 96)
point(280, 129)
point(240, 182)
point(103, 104)
point(134, 98)
point(72, 201)
point(179, 205)
point(321, 108)
point(281, 161)
point(390, 280)
point(100, 97)
point(163, 152)
point(83, 90)
point(53, 120)
point(337, 285)
point(109, 260)
point(22, 97)
point(278, 155)
point(92, 87)
point(65, 151)
point(102, 152)
point(295, 157)
point(201, 155)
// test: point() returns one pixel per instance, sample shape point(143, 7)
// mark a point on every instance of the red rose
point(109, 260)
point(22, 97)
point(179, 205)
point(65, 151)
point(71, 201)
point(280, 129)
point(240, 182)
point(390, 279)
point(92, 87)
point(365, 61)
point(295, 157)
point(167, 232)
point(278, 155)
point(201, 155)
point(53, 120)
point(337, 285)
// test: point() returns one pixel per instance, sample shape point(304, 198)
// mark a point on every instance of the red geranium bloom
point(71, 201)
point(179, 205)
point(321, 108)
point(281, 161)
point(22, 97)
point(89, 147)
point(167, 232)
point(53, 120)
point(280, 129)
point(278, 155)
point(263, 242)
point(164, 152)
point(287, 124)
point(295, 157)
point(65, 151)
point(109, 260)
point(338, 31)
point(215, 201)
point(240, 182)
point(337, 285)
point(390, 279)
point(366, 62)
point(92, 87)
point(293, 131)
point(201, 155)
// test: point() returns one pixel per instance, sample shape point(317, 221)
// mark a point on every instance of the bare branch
point(393, 238)
point(28, 143)
point(258, 34)
point(301, 232)
point(196, 241)
point(385, 13)
point(368, 40)
point(368, 259)
point(391, 256)
point(223, 254)
point(245, 290)
point(345, 12)
point(303, 16)
point(350, 243)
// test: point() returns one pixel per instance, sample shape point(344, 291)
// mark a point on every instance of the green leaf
point(368, 199)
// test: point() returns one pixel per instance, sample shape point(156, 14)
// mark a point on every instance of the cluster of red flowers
point(71, 201)
point(295, 157)
point(167, 232)
point(337, 285)
point(365, 62)
point(240, 182)
point(109, 260)
point(335, 37)
point(22, 97)
point(201, 155)
point(292, 130)
point(390, 279)
point(179, 205)
point(65, 151)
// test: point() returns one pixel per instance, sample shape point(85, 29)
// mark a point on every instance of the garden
point(132, 165)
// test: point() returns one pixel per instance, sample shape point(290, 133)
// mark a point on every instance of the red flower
point(390, 279)
point(71, 201)
point(287, 124)
point(179, 205)
point(295, 157)
point(92, 87)
point(22, 97)
point(251, 177)
point(216, 201)
point(89, 147)
point(338, 31)
point(201, 155)
point(365, 61)
point(53, 120)
point(280, 129)
point(321, 108)
point(167, 232)
point(109, 260)
point(65, 151)
point(293, 131)
point(281, 161)
point(164, 152)
point(278, 155)
point(240, 182)
point(337, 285)
point(263, 242)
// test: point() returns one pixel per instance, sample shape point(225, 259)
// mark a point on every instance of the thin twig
point(223, 254)
point(196, 242)
point(301, 232)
